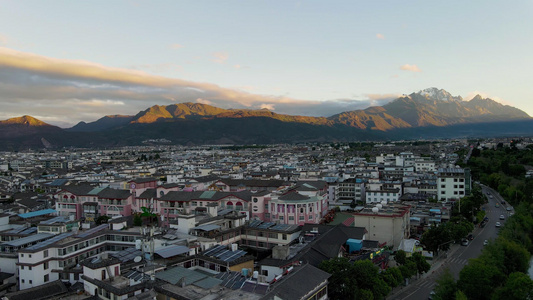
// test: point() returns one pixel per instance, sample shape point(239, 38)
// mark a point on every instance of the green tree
point(400, 257)
point(137, 220)
point(517, 287)
point(478, 280)
point(367, 277)
point(446, 287)
point(342, 283)
point(392, 276)
point(422, 265)
point(102, 220)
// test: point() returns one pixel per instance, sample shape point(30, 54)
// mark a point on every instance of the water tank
point(138, 244)
point(379, 206)
point(244, 272)
point(256, 274)
point(234, 247)
point(375, 210)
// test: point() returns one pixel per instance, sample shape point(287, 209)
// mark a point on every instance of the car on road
point(470, 237)
point(502, 217)
point(464, 242)
point(485, 242)
point(498, 224)
point(497, 205)
point(508, 208)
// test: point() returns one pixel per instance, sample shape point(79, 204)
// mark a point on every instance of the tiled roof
point(293, 196)
point(78, 190)
point(110, 193)
point(299, 284)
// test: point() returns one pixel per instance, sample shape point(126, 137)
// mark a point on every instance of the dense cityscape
point(229, 221)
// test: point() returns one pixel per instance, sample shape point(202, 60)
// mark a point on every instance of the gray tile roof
point(110, 193)
point(298, 284)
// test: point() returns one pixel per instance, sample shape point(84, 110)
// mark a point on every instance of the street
point(458, 255)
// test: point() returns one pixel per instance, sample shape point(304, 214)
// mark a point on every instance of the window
point(442, 186)
point(284, 236)
point(22, 255)
point(291, 218)
point(281, 218)
point(22, 280)
point(194, 203)
point(29, 255)
point(29, 268)
point(255, 200)
point(45, 265)
point(46, 278)
point(31, 281)
point(45, 253)
point(22, 267)
point(302, 218)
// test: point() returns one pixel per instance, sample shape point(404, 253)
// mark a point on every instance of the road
point(458, 255)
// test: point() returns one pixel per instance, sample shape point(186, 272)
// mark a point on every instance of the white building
point(450, 184)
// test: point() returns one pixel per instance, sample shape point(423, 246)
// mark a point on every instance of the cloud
point(411, 68)
point(268, 106)
point(176, 46)
point(380, 36)
point(68, 91)
point(237, 66)
point(203, 101)
point(220, 57)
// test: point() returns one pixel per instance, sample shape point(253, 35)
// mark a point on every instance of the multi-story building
point(57, 257)
point(451, 184)
point(385, 223)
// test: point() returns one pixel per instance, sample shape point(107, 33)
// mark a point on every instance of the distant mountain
point(102, 123)
point(429, 107)
point(430, 113)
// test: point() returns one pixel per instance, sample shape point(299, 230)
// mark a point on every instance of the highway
point(458, 255)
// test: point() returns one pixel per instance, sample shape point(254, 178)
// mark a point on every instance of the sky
point(68, 61)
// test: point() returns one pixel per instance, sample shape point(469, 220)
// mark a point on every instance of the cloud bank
point(64, 92)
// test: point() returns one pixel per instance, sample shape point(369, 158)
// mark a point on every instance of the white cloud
point(176, 46)
point(270, 106)
point(220, 57)
point(69, 91)
point(411, 68)
point(380, 36)
point(203, 101)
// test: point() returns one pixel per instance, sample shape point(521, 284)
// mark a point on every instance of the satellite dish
point(375, 209)
point(379, 206)
point(137, 259)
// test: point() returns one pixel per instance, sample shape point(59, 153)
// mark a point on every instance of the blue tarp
point(354, 245)
point(37, 213)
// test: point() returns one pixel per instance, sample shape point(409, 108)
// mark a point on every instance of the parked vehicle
point(502, 217)
point(464, 242)
point(498, 224)
point(485, 242)
point(470, 237)
point(508, 208)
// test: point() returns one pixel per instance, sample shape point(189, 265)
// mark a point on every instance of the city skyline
point(65, 62)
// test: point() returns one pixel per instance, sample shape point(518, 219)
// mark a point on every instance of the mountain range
point(430, 113)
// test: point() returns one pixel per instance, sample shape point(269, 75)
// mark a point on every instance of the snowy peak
point(436, 94)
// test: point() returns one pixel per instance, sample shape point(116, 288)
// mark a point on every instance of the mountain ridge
point(414, 115)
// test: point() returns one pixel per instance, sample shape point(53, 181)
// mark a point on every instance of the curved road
point(458, 255)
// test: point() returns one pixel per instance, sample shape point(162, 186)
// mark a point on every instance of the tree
point(478, 280)
point(392, 276)
point(137, 220)
point(400, 257)
point(518, 286)
point(342, 283)
point(446, 287)
point(367, 276)
point(102, 220)
point(436, 238)
point(422, 265)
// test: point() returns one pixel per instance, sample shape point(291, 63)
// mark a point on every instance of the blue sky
point(67, 61)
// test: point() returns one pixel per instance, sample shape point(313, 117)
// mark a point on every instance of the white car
point(485, 242)
point(498, 224)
